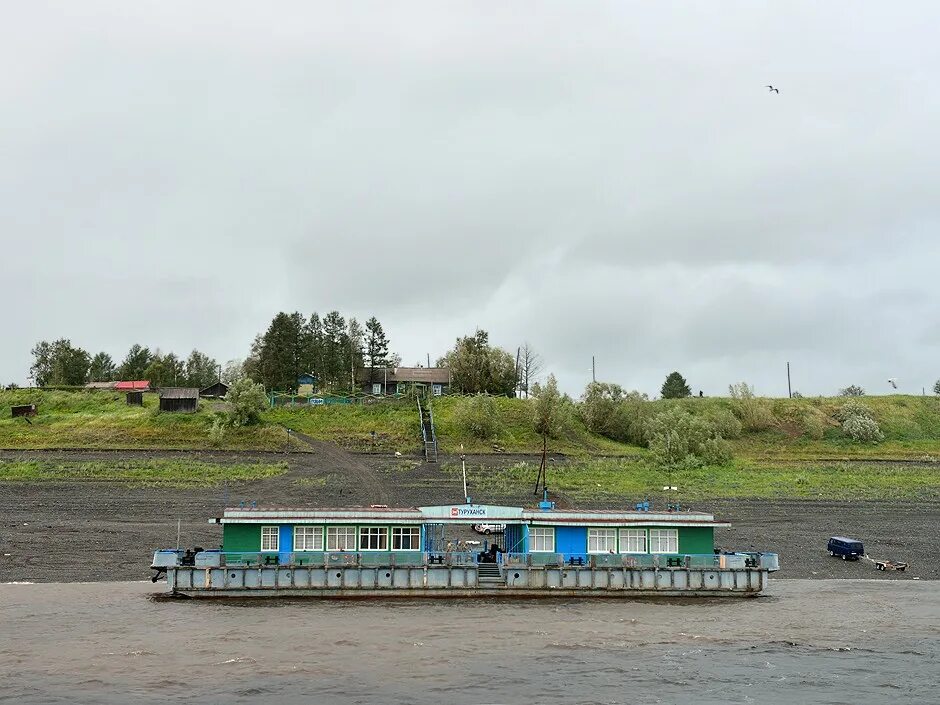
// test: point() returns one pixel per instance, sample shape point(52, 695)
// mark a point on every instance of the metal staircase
point(489, 574)
point(428, 436)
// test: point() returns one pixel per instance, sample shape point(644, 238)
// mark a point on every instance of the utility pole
point(429, 360)
point(593, 370)
point(789, 388)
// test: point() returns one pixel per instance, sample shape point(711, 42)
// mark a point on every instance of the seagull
point(893, 382)
point(772, 89)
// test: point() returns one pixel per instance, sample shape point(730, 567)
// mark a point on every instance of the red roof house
point(138, 386)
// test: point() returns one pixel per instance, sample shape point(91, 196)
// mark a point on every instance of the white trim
point(277, 539)
point(317, 533)
point(623, 539)
point(382, 533)
point(659, 538)
point(346, 529)
point(550, 535)
point(612, 530)
point(414, 532)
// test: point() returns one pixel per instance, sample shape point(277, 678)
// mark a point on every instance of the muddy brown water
point(820, 641)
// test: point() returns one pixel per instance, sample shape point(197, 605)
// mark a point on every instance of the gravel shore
point(69, 532)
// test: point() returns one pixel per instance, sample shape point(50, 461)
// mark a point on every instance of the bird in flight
point(893, 382)
point(772, 89)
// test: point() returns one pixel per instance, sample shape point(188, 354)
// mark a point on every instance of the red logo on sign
point(454, 511)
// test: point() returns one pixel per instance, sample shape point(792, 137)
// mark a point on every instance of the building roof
point(141, 385)
point(212, 388)
point(467, 514)
point(426, 375)
point(179, 393)
point(100, 385)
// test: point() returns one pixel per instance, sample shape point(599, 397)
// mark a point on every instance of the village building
point(306, 385)
point(215, 391)
point(135, 386)
point(386, 381)
point(180, 399)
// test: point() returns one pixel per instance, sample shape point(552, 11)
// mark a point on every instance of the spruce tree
point(675, 387)
point(376, 356)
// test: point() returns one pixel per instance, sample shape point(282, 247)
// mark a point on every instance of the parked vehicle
point(847, 549)
point(489, 528)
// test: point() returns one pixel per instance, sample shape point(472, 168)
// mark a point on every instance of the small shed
point(216, 391)
point(181, 399)
point(23, 410)
point(135, 398)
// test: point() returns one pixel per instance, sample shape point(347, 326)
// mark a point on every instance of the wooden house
point(215, 391)
point(385, 381)
point(179, 399)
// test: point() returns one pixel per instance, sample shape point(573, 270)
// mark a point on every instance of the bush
point(858, 422)
point(247, 400)
point(220, 423)
point(755, 414)
point(610, 412)
point(678, 439)
point(813, 423)
point(854, 408)
point(725, 423)
point(853, 390)
point(479, 416)
point(862, 429)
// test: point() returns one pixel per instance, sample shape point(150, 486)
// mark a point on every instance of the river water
point(848, 642)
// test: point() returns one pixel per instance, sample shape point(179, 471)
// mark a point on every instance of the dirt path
point(349, 466)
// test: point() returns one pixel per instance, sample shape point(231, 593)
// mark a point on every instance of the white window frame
point(629, 535)
point(348, 533)
point(412, 533)
point(373, 532)
point(438, 390)
point(657, 536)
point(267, 546)
point(610, 535)
point(541, 539)
point(308, 538)
point(376, 388)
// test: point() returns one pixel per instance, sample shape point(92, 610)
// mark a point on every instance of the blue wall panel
point(570, 539)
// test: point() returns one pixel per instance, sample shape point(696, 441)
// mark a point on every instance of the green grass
point(100, 419)
point(624, 482)
point(140, 473)
point(97, 419)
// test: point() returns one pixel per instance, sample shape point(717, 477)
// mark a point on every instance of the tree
point(675, 387)
point(853, 390)
point(102, 368)
point(354, 337)
point(609, 411)
point(247, 400)
point(165, 371)
point(232, 371)
point(530, 366)
point(376, 353)
point(136, 361)
point(549, 409)
point(936, 387)
point(335, 351)
point(59, 364)
point(251, 367)
point(678, 439)
point(476, 367)
point(284, 350)
point(201, 370)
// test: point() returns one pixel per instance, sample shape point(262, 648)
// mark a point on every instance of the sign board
point(316, 402)
point(471, 512)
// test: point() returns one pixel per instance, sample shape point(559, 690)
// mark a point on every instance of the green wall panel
point(241, 538)
point(696, 539)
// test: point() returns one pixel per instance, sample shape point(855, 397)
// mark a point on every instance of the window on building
point(308, 538)
point(341, 538)
point(633, 540)
point(406, 538)
point(541, 539)
point(438, 390)
point(664, 540)
point(373, 538)
point(377, 388)
point(269, 538)
point(602, 540)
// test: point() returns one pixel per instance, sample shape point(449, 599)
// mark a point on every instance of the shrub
point(796, 395)
point(549, 410)
point(755, 414)
point(479, 416)
point(725, 423)
point(678, 439)
point(220, 423)
point(862, 429)
point(247, 401)
point(854, 408)
point(609, 411)
point(813, 423)
point(853, 390)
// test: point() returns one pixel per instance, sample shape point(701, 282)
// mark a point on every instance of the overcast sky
point(596, 178)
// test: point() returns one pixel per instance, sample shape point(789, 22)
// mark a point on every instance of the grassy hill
point(791, 428)
point(101, 419)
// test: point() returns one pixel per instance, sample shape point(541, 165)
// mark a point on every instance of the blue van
point(848, 549)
